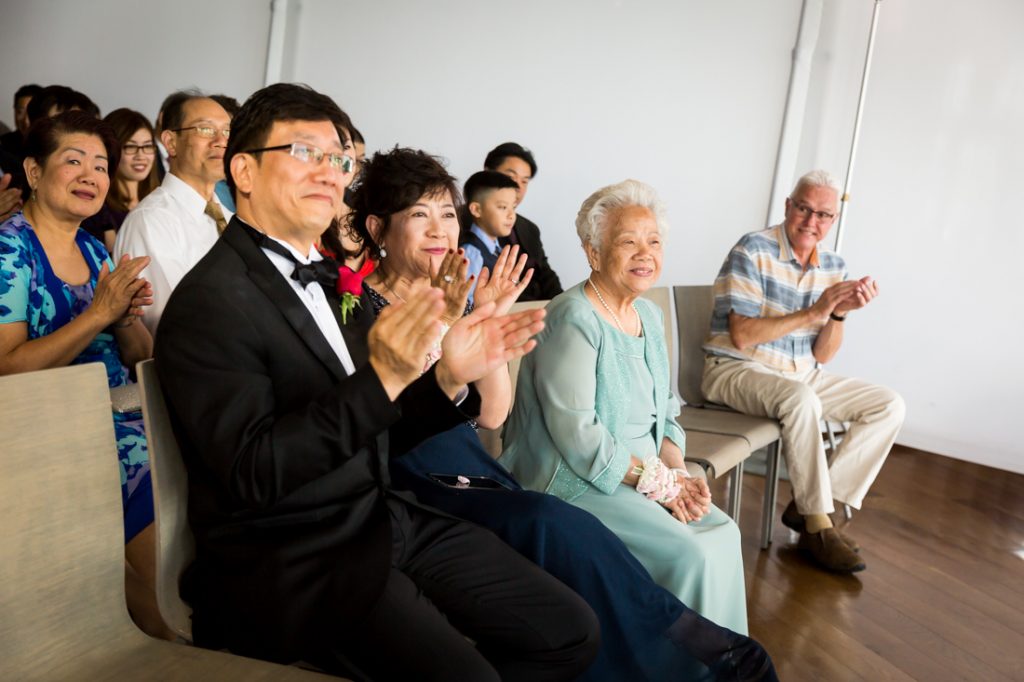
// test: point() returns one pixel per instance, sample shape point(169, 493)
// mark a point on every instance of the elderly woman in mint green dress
point(594, 417)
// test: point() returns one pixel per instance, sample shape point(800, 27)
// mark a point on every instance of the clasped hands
point(476, 345)
point(693, 500)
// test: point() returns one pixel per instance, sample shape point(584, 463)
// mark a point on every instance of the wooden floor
point(943, 594)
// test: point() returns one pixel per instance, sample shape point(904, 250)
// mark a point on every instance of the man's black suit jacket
point(545, 284)
point(286, 455)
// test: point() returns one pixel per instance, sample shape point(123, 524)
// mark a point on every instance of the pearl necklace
point(610, 312)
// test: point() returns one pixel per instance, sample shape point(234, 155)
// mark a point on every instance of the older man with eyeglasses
point(177, 223)
point(781, 302)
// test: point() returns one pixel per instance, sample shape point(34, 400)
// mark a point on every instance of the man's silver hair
point(817, 178)
point(592, 219)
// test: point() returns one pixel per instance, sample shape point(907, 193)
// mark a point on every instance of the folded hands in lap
point(693, 501)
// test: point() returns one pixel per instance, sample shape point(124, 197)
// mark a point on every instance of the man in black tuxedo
point(286, 417)
point(518, 163)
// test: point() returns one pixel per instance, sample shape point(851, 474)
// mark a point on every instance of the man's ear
point(475, 209)
point(169, 139)
point(242, 167)
point(375, 226)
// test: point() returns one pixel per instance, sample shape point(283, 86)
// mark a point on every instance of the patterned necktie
point(213, 210)
point(497, 249)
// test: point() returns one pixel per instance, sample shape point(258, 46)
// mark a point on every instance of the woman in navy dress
point(404, 209)
point(63, 302)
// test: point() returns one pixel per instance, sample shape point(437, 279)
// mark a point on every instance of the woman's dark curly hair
point(393, 181)
point(44, 136)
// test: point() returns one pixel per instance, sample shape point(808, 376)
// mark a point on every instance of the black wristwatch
point(837, 318)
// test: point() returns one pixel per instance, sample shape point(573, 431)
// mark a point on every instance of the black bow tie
point(323, 271)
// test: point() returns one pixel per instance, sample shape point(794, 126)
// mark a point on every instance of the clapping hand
point(864, 291)
point(122, 293)
point(832, 297)
point(506, 283)
point(481, 342)
point(403, 335)
point(451, 279)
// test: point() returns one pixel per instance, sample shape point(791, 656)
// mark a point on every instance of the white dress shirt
point(171, 227)
point(314, 299)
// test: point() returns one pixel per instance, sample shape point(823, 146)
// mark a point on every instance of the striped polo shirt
point(762, 278)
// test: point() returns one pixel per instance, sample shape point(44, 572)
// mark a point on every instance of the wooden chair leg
point(735, 490)
point(771, 491)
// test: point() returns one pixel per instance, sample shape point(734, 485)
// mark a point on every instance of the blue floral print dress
point(30, 292)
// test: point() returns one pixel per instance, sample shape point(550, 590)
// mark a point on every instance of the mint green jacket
point(572, 396)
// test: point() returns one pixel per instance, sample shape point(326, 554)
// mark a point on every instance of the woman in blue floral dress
point(62, 302)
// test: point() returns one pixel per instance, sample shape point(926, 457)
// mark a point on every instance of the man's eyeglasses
point(805, 211)
point(307, 153)
point(204, 131)
point(131, 149)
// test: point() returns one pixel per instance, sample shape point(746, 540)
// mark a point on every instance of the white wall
point(132, 54)
point(687, 96)
point(934, 211)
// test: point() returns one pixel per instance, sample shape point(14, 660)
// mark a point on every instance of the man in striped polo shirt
point(781, 301)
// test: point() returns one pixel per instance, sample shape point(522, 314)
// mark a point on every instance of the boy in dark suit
point(517, 162)
point(491, 207)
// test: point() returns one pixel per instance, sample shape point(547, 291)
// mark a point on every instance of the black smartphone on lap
point(468, 482)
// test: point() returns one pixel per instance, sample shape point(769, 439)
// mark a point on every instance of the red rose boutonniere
point(350, 287)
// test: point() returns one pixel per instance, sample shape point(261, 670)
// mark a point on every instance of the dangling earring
point(33, 195)
point(383, 251)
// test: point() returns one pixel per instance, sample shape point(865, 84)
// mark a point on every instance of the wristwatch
point(837, 318)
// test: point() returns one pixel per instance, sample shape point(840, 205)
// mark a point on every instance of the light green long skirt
point(699, 562)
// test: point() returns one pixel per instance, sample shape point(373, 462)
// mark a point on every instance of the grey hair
point(817, 178)
point(592, 219)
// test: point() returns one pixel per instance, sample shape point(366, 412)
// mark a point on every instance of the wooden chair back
point(176, 546)
point(693, 321)
point(61, 527)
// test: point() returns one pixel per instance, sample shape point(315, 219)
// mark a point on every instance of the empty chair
point(693, 321)
point(62, 605)
point(718, 453)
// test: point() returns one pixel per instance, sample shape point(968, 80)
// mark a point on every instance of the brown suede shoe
point(829, 550)
point(791, 518)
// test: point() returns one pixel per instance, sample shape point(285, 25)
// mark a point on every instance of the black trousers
point(451, 580)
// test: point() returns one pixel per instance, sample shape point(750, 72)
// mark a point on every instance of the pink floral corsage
point(658, 482)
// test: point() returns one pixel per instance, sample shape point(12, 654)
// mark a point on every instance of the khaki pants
point(800, 400)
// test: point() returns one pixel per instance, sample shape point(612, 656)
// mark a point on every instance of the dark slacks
point(451, 580)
